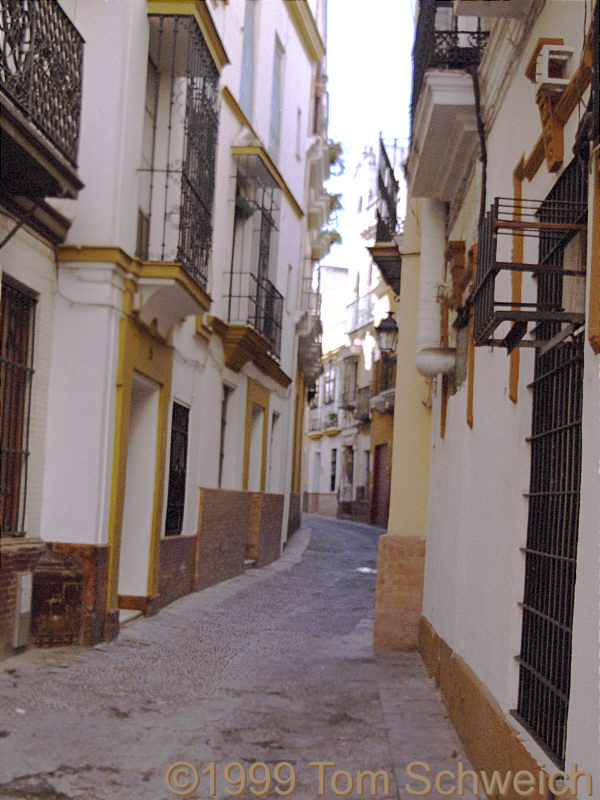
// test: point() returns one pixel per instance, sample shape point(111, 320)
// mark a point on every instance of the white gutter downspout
point(432, 359)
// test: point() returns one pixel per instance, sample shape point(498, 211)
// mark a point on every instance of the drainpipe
point(432, 359)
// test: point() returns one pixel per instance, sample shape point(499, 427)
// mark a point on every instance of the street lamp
point(387, 335)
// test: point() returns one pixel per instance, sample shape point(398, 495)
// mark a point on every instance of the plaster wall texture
point(477, 512)
point(30, 262)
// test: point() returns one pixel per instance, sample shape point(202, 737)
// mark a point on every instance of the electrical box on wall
point(23, 609)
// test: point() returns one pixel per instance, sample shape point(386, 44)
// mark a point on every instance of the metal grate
point(177, 470)
point(253, 298)
point(41, 63)
point(442, 49)
point(553, 222)
point(180, 181)
point(16, 370)
point(551, 550)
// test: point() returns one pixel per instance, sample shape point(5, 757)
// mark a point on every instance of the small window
point(177, 470)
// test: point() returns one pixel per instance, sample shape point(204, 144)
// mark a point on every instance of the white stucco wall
point(477, 510)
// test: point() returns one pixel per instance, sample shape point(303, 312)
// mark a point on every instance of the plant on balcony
point(331, 421)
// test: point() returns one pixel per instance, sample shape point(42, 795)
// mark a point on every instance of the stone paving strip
point(265, 685)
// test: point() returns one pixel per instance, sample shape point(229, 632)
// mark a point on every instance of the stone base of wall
point(177, 567)
point(356, 510)
point(295, 514)
point(221, 539)
point(325, 503)
point(264, 528)
point(398, 592)
point(16, 555)
point(92, 560)
point(490, 741)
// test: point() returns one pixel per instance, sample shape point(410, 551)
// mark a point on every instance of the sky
point(369, 46)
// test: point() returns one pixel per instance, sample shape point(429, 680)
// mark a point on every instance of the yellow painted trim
point(565, 106)
point(594, 277)
point(139, 351)
point(199, 10)
point(255, 150)
point(167, 270)
point(238, 111)
point(306, 28)
point(256, 395)
point(332, 431)
point(315, 435)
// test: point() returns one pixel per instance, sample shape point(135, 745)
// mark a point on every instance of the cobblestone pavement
point(273, 666)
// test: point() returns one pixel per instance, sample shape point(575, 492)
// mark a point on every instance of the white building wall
point(477, 509)
point(31, 262)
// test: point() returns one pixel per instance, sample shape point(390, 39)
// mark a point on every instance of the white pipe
point(432, 359)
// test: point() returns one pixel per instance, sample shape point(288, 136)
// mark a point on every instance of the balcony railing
point(360, 312)
point(442, 49)
point(311, 298)
point(255, 301)
point(387, 219)
point(41, 60)
point(552, 223)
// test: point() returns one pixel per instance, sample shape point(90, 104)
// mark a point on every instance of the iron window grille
point(350, 375)
point(17, 325)
point(553, 521)
point(552, 223)
point(41, 63)
point(387, 219)
point(179, 184)
point(442, 49)
point(253, 298)
point(177, 470)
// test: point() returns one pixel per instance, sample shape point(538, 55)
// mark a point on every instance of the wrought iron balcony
point(384, 376)
point(41, 60)
point(177, 179)
point(442, 49)
point(387, 185)
point(552, 223)
point(256, 302)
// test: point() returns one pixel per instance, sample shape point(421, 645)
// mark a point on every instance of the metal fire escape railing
point(41, 61)
point(442, 49)
point(552, 223)
point(387, 220)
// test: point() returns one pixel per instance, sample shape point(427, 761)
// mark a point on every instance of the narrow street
point(274, 666)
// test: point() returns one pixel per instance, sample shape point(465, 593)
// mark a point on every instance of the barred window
point(16, 370)
point(177, 470)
